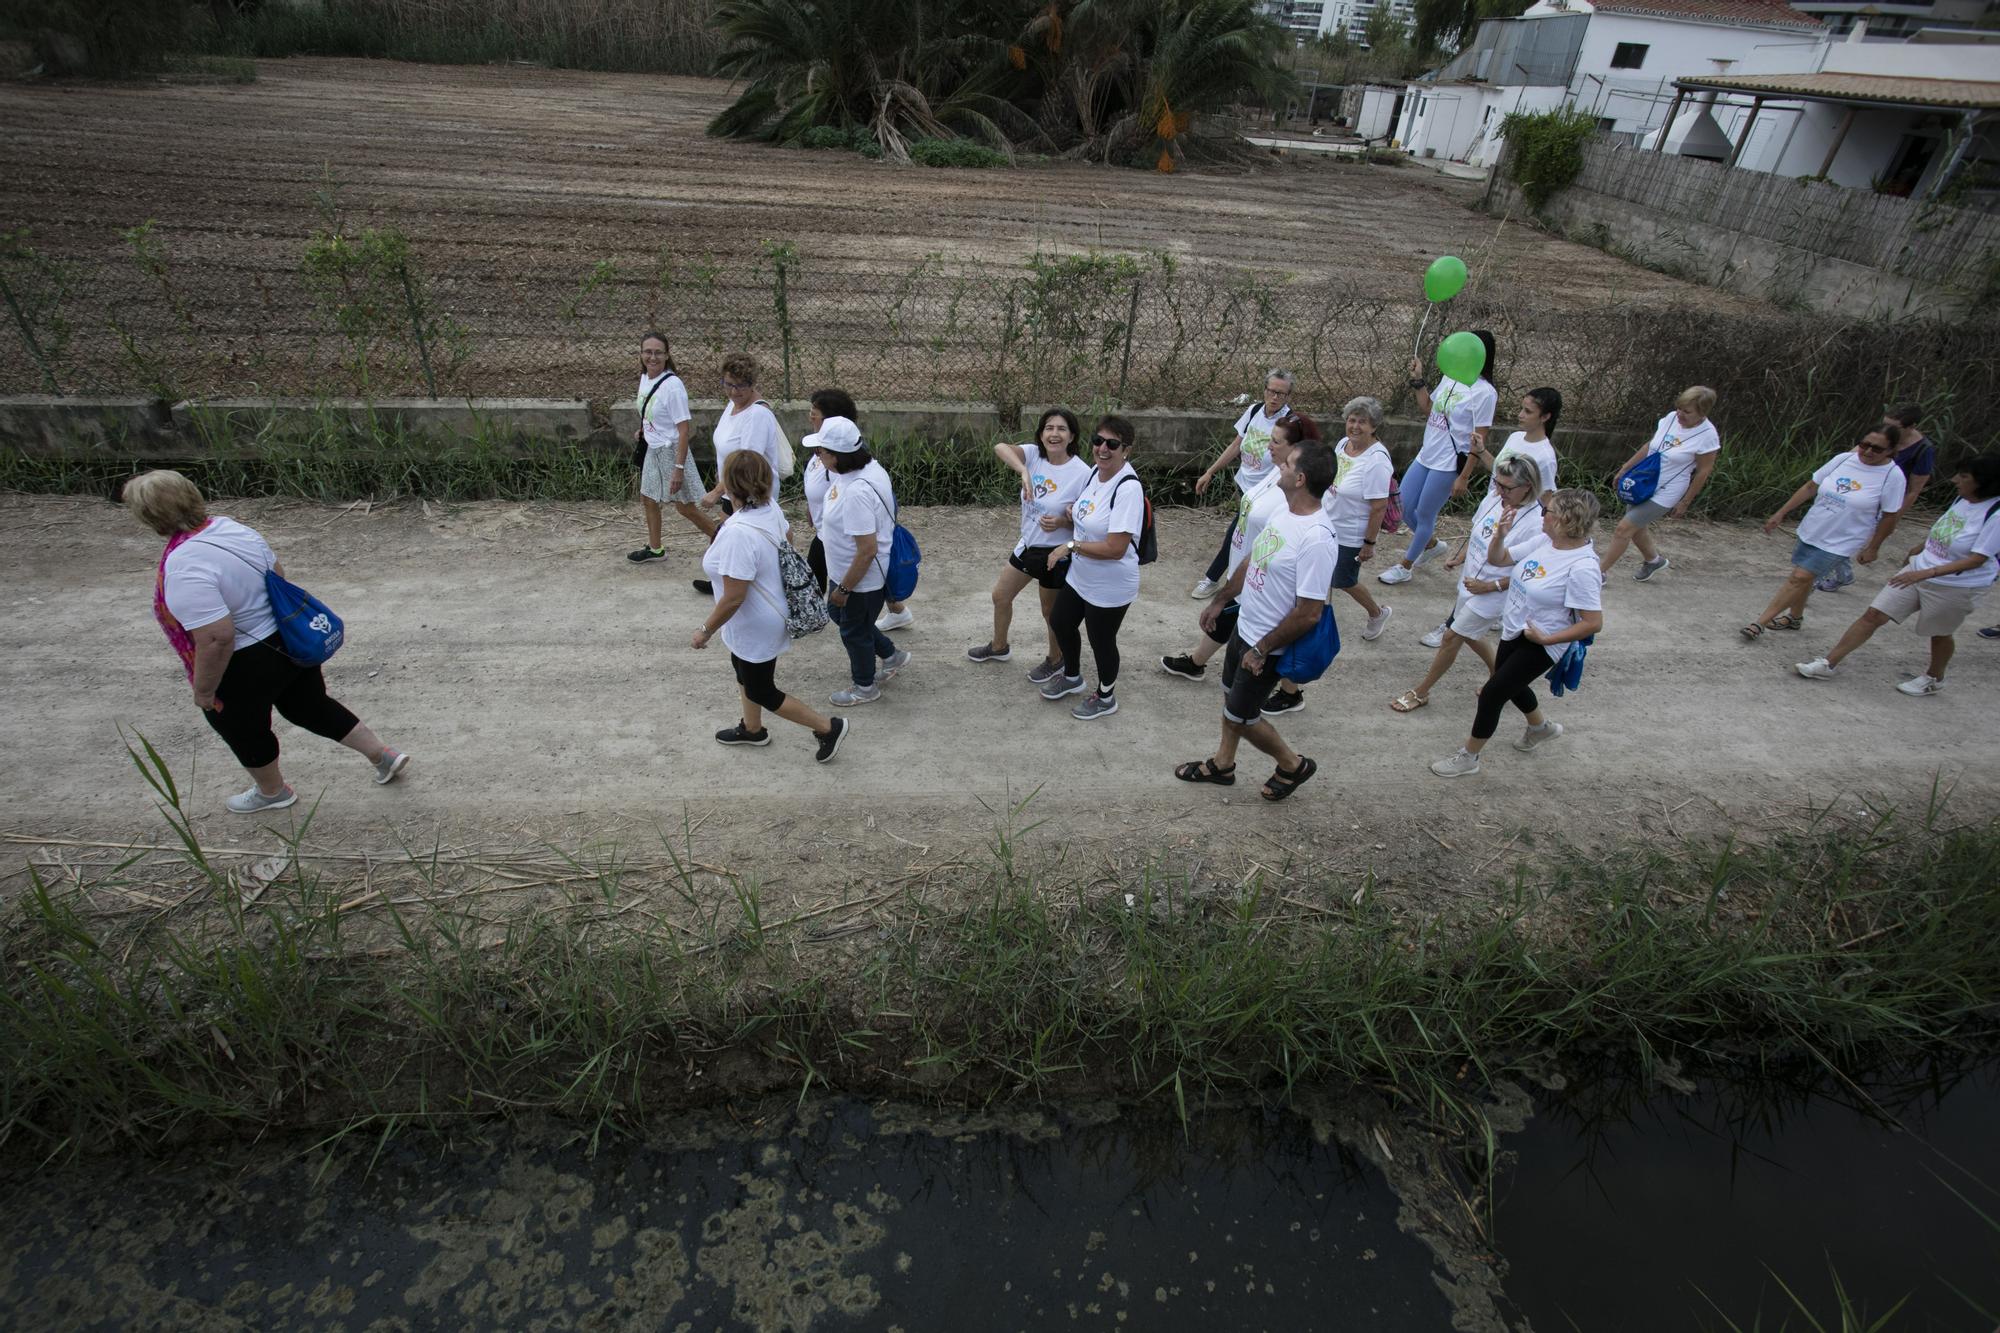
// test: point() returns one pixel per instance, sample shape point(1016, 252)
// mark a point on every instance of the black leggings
point(816, 560)
point(1221, 562)
point(260, 678)
point(1102, 622)
point(1515, 667)
point(760, 682)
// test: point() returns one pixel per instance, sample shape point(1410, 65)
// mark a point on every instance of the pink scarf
point(182, 641)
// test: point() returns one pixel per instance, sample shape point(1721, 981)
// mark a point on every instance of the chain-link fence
point(1090, 330)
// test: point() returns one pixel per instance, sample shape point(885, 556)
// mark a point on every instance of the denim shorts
point(1813, 560)
point(1347, 569)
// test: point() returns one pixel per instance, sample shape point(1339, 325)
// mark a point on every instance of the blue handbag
point(1637, 486)
point(1307, 657)
point(308, 630)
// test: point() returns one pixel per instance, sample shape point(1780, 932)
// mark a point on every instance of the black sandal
point(1282, 784)
point(1205, 770)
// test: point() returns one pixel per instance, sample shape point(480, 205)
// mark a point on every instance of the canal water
point(1621, 1209)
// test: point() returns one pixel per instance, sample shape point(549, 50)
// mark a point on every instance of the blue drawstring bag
point(1637, 486)
point(307, 627)
point(899, 575)
point(1306, 658)
point(1567, 674)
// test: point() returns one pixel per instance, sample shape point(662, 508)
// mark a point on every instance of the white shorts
point(1467, 622)
point(656, 477)
point(1940, 610)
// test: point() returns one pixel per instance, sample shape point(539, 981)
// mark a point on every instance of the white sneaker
point(1921, 685)
point(1534, 736)
point(1461, 763)
point(1435, 639)
point(1394, 574)
point(1205, 589)
point(889, 620)
point(1427, 553)
point(393, 763)
point(1817, 669)
point(1377, 623)
point(255, 802)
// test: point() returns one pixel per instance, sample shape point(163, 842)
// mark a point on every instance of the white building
point(1308, 19)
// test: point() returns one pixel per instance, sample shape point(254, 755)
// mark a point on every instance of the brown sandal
point(1785, 620)
point(1409, 701)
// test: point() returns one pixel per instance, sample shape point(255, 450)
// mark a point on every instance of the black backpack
point(1149, 540)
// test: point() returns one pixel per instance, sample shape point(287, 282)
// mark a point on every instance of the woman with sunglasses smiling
point(1856, 497)
point(1052, 476)
point(1101, 580)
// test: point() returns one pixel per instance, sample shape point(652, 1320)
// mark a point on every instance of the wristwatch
point(1416, 383)
point(1070, 546)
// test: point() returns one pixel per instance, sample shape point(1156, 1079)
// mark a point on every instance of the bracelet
point(1416, 383)
point(1367, 541)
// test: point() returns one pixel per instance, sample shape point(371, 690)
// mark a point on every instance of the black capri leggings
point(1101, 621)
point(759, 681)
point(816, 561)
point(1515, 667)
point(260, 678)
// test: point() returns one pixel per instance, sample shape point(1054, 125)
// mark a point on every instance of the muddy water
point(1685, 1212)
point(838, 1217)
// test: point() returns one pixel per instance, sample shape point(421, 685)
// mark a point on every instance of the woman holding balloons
point(1459, 413)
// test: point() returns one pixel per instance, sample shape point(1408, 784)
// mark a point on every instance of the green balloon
point(1461, 357)
point(1445, 278)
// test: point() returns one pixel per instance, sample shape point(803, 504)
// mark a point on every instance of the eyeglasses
point(732, 385)
point(1108, 442)
point(1875, 448)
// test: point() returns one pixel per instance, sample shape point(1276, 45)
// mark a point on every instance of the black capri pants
point(1101, 622)
point(759, 681)
point(1515, 667)
point(259, 678)
point(816, 561)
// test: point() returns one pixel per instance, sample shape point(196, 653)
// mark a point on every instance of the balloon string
point(1417, 347)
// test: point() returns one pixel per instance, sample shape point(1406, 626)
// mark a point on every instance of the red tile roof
point(1750, 13)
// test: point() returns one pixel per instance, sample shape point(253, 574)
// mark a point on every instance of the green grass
point(332, 1002)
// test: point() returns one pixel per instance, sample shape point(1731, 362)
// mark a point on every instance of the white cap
point(837, 434)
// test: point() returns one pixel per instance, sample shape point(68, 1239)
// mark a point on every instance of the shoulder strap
point(220, 547)
point(648, 400)
point(1119, 485)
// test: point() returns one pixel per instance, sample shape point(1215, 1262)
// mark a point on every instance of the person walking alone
point(1281, 590)
point(667, 474)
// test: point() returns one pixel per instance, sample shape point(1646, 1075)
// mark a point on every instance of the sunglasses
point(1107, 442)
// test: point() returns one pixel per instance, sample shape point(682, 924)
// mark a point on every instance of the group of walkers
point(1310, 514)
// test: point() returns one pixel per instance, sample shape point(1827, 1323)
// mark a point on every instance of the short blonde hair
point(165, 501)
point(1698, 397)
point(1575, 512)
point(747, 478)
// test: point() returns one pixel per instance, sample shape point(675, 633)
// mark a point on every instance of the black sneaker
point(1183, 666)
point(704, 587)
point(830, 739)
point(741, 735)
point(645, 553)
point(1282, 703)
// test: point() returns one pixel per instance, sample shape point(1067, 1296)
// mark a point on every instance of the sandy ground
point(548, 692)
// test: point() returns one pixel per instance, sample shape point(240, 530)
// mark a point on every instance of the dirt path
point(547, 691)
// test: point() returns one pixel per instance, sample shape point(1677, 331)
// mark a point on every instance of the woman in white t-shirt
point(815, 478)
point(1482, 593)
point(745, 423)
point(1256, 507)
point(1553, 597)
point(749, 613)
point(858, 527)
point(1539, 411)
point(1052, 476)
point(1856, 497)
point(1688, 445)
point(1250, 450)
point(211, 599)
point(1458, 418)
point(1941, 581)
point(668, 474)
point(1100, 570)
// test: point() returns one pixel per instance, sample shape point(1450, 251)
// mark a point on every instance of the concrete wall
point(1733, 260)
point(535, 418)
point(1169, 440)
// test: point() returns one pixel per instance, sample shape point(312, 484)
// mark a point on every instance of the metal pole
point(1743, 139)
point(28, 336)
point(784, 328)
point(1673, 114)
point(417, 326)
point(1131, 319)
point(1839, 138)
